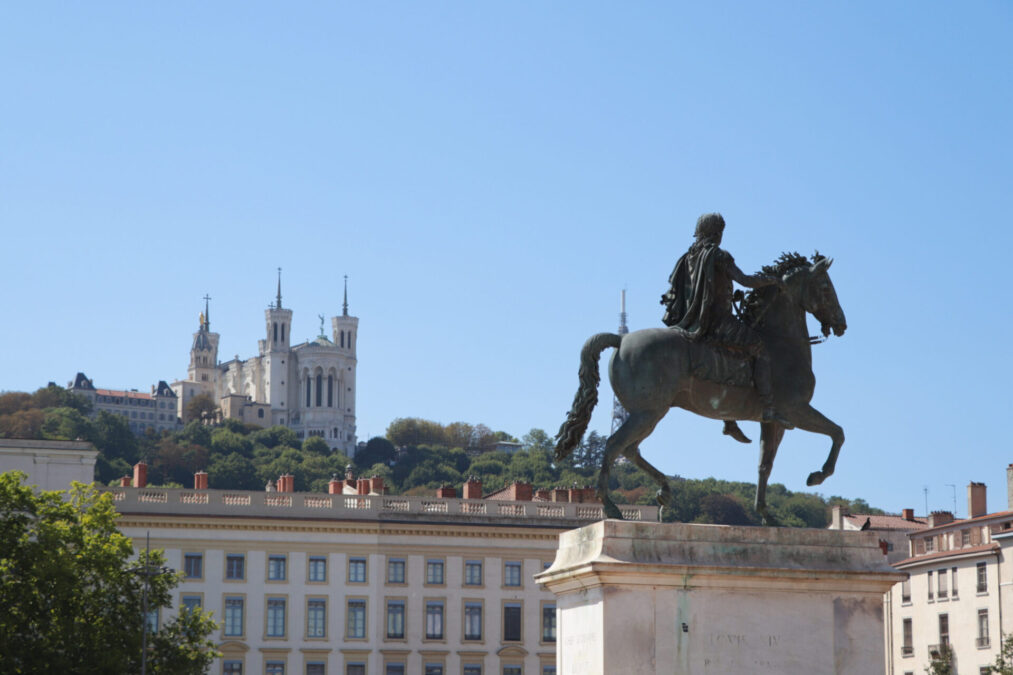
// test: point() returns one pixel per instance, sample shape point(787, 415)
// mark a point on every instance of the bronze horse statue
point(655, 369)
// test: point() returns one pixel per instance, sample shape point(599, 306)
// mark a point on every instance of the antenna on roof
point(951, 485)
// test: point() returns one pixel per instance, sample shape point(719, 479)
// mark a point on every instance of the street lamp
point(147, 570)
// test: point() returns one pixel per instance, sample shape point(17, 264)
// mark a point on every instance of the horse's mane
point(756, 300)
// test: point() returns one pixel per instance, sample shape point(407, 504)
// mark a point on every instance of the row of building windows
point(275, 667)
point(942, 589)
point(143, 402)
point(982, 640)
point(276, 624)
point(277, 570)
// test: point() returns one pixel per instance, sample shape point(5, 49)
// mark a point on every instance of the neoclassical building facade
point(308, 387)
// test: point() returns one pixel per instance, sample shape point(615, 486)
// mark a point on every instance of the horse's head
point(818, 297)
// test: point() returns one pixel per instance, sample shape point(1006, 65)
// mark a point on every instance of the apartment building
point(958, 590)
point(356, 582)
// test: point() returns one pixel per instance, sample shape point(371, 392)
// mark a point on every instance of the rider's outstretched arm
point(752, 280)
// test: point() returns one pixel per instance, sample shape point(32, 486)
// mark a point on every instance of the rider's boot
point(761, 375)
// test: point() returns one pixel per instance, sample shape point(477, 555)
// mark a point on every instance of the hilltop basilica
point(309, 387)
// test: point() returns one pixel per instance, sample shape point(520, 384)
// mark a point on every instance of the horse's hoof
point(815, 478)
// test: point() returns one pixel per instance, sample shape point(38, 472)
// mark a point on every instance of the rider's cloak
point(690, 301)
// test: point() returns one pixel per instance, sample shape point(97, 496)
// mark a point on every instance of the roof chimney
point(335, 485)
point(125, 481)
point(837, 517)
point(363, 486)
point(937, 518)
point(908, 514)
point(472, 488)
point(140, 475)
point(521, 492)
point(200, 480)
point(376, 485)
point(286, 483)
point(446, 492)
point(977, 504)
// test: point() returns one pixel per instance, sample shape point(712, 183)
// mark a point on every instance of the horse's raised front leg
point(811, 419)
point(771, 434)
point(636, 428)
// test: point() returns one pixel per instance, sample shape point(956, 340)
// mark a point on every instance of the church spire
point(206, 323)
point(344, 307)
point(278, 306)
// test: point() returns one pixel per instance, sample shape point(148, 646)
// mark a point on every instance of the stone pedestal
point(697, 599)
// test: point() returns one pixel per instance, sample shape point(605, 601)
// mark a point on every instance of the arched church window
point(320, 390)
point(330, 391)
point(307, 392)
point(260, 413)
point(342, 339)
point(275, 331)
point(283, 335)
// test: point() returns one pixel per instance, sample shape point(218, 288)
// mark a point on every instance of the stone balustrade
point(233, 503)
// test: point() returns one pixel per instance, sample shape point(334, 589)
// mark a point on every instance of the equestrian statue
point(725, 355)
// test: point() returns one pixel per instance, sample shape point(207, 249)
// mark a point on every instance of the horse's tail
point(587, 395)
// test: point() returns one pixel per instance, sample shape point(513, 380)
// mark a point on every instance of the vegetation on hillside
point(415, 457)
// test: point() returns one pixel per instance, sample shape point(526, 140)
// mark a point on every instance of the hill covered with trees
point(415, 457)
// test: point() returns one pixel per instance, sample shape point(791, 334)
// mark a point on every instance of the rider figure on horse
point(699, 303)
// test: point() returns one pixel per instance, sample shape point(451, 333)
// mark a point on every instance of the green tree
point(112, 436)
point(1004, 659)
point(275, 436)
point(942, 663)
point(71, 595)
point(405, 431)
point(314, 445)
point(226, 442)
point(537, 439)
point(66, 424)
point(200, 407)
point(233, 472)
point(378, 450)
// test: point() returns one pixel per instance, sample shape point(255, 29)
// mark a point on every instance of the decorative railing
point(296, 505)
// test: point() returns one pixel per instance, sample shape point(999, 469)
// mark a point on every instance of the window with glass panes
point(355, 669)
point(316, 618)
point(434, 572)
point(357, 570)
point(512, 574)
point(472, 669)
point(395, 619)
point(548, 623)
point(276, 568)
point(512, 622)
point(235, 567)
point(434, 620)
point(153, 620)
point(318, 568)
point(548, 670)
point(953, 582)
point(355, 626)
point(395, 571)
point(275, 668)
point(513, 670)
point(276, 617)
point(193, 565)
point(394, 669)
point(473, 573)
point(983, 628)
point(190, 602)
point(982, 578)
point(232, 667)
point(433, 669)
point(473, 621)
point(316, 668)
point(233, 616)
point(944, 629)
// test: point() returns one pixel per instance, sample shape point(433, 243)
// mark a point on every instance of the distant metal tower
point(619, 413)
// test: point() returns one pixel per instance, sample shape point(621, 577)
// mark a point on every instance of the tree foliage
point(71, 595)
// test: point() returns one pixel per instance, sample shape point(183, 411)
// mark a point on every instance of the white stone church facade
point(309, 387)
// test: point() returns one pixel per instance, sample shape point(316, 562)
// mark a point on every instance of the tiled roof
point(124, 394)
point(969, 521)
point(967, 550)
point(886, 522)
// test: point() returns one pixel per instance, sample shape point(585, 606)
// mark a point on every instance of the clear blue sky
point(490, 175)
